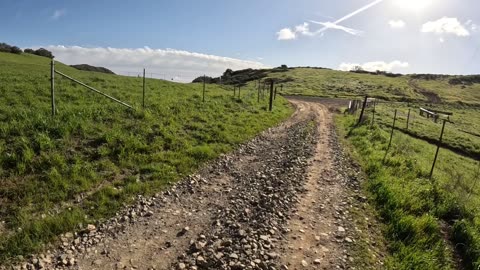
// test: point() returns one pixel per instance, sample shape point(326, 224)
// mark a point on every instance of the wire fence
point(437, 127)
point(143, 75)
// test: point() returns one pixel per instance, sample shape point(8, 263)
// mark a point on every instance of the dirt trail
point(314, 227)
point(280, 201)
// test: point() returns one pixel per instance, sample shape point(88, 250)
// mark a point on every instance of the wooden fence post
point(408, 118)
point(363, 110)
point(204, 81)
point(373, 116)
point(391, 136)
point(438, 148)
point(239, 91)
point(52, 85)
point(275, 94)
point(143, 99)
point(258, 86)
point(270, 107)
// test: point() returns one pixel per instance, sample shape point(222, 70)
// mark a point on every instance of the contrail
point(346, 17)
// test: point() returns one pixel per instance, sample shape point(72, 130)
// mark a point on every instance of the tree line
point(4, 47)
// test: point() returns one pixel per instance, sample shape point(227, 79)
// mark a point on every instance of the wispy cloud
point(471, 25)
point(330, 25)
point(57, 14)
point(293, 33)
point(446, 26)
point(396, 24)
point(374, 66)
point(180, 65)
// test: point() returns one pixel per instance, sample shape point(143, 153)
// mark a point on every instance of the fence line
point(52, 91)
point(144, 86)
point(409, 129)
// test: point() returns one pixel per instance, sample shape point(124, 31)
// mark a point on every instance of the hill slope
point(93, 68)
point(332, 83)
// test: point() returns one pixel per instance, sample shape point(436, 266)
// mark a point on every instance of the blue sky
point(407, 36)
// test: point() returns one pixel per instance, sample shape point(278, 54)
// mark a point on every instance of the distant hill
point(86, 67)
point(324, 82)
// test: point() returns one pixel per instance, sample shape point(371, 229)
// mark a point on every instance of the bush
point(16, 50)
point(92, 68)
point(44, 52)
point(4, 47)
point(29, 51)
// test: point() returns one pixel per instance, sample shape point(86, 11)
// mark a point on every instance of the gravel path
point(280, 201)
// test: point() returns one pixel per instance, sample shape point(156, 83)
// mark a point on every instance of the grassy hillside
point(463, 100)
point(416, 209)
point(332, 83)
point(57, 173)
point(462, 133)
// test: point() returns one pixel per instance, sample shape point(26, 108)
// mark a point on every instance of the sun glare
point(414, 5)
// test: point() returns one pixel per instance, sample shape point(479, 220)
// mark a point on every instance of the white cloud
point(286, 34)
point(374, 66)
point(446, 25)
point(58, 13)
point(168, 62)
point(397, 24)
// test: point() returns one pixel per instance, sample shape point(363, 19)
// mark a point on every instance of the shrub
point(44, 52)
point(4, 47)
point(92, 68)
point(15, 50)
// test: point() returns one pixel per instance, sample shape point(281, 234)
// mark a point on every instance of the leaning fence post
point(203, 97)
point(258, 86)
point(143, 101)
point(408, 118)
point(275, 94)
point(373, 117)
point(363, 110)
point(438, 148)
point(391, 136)
point(52, 85)
point(270, 107)
point(263, 90)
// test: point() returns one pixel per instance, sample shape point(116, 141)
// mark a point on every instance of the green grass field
point(332, 83)
point(461, 132)
point(417, 210)
point(82, 165)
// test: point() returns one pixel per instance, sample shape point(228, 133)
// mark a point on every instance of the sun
point(413, 5)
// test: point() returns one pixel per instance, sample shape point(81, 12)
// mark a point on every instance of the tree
point(44, 52)
point(284, 67)
point(15, 50)
point(358, 68)
point(228, 73)
point(29, 51)
point(4, 47)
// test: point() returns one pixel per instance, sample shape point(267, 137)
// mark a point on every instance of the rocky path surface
point(281, 201)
